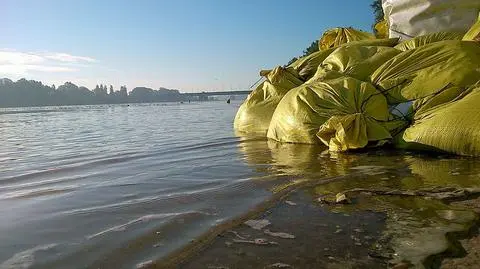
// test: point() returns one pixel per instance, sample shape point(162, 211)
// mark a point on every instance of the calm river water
point(93, 186)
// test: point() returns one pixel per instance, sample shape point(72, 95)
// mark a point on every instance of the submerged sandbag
point(255, 113)
point(342, 113)
point(337, 36)
point(354, 61)
point(474, 33)
point(307, 66)
point(423, 71)
point(411, 18)
point(449, 127)
point(428, 39)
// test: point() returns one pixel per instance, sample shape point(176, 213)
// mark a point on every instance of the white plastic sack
point(411, 18)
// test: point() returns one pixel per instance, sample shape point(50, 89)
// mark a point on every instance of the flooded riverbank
point(128, 193)
point(380, 209)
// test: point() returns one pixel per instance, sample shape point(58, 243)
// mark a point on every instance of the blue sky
point(191, 45)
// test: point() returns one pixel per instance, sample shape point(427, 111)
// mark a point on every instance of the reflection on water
point(282, 159)
point(299, 160)
point(390, 168)
point(461, 172)
point(416, 227)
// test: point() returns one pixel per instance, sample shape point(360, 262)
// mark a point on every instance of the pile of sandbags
point(423, 71)
point(446, 123)
point(255, 113)
point(343, 113)
point(359, 91)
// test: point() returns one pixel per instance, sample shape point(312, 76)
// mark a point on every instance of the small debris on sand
point(290, 203)
point(144, 264)
point(279, 265)
point(238, 235)
point(322, 200)
point(257, 224)
point(341, 198)
point(402, 265)
point(279, 234)
point(257, 241)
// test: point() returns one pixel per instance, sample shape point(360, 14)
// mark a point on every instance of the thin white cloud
point(21, 70)
point(19, 58)
point(23, 63)
point(47, 68)
point(12, 70)
point(64, 57)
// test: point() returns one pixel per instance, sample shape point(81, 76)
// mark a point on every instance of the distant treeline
point(33, 93)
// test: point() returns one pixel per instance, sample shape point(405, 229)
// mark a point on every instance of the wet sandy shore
point(471, 244)
point(375, 217)
point(308, 230)
point(298, 234)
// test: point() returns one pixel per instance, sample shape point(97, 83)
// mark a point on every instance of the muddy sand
point(375, 217)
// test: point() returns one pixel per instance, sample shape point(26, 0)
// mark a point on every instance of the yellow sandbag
point(284, 78)
point(421, 72)
point(441, 97)
point(264, 73)
point(343, 113)
point(474, 33)
point(306, 66)
point(381, 29)
point(255, 113)
point(337, 36)
point(385, 42)
point(452, 127)
point(428, 39)
point(355, 61)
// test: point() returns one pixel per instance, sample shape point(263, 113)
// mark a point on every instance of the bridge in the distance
point(205, 95)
